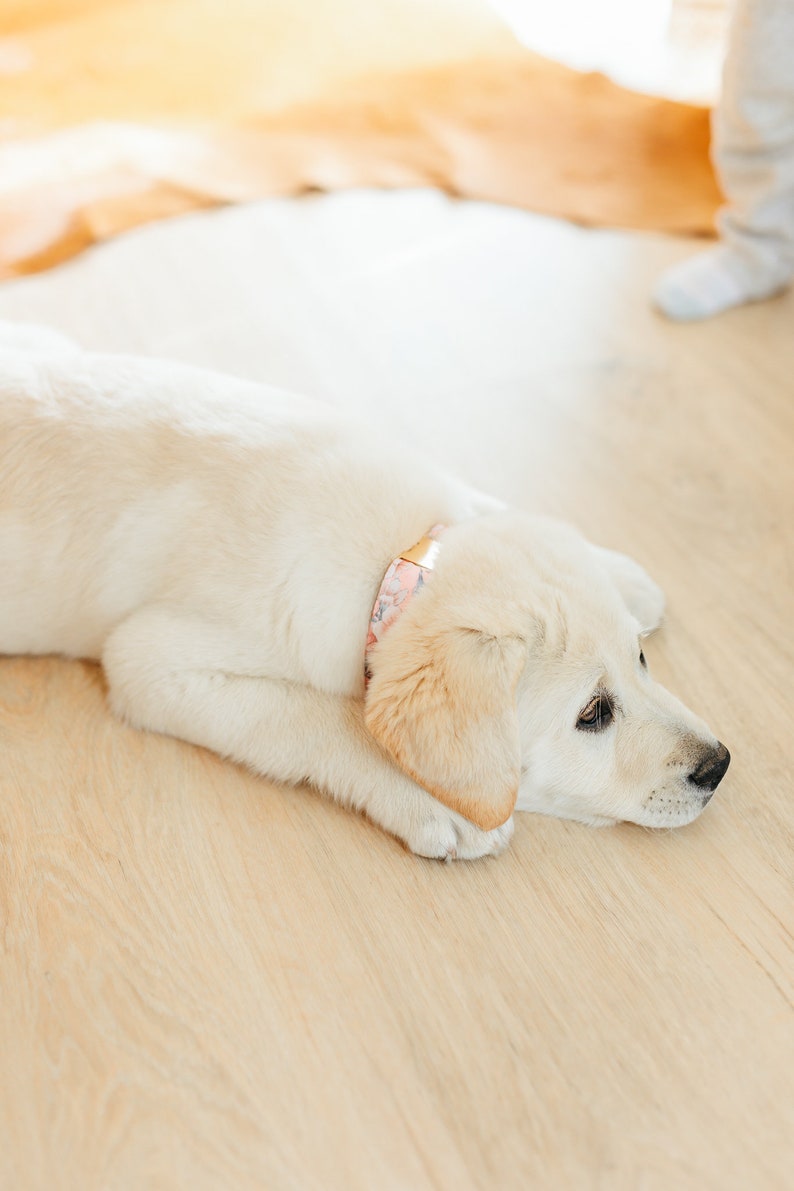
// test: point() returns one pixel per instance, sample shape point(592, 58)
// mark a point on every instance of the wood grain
point(210, 982)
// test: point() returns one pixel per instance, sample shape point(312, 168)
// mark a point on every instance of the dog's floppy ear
point(643, 598)
point(442, 702)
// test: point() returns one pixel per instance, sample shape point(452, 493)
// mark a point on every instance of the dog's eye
point(597, 714)
point(642, 660)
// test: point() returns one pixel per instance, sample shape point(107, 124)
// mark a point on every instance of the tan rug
point(116, 112)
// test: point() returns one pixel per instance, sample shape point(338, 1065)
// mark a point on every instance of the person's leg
point(753, 147)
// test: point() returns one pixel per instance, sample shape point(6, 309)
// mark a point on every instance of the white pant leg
point(753, 132)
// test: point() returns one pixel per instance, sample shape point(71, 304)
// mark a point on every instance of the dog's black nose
point(711, 770)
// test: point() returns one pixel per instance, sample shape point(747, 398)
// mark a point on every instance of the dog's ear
point(442, 702)
point(643, 598)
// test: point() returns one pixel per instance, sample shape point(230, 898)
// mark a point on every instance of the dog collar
point(404, 577)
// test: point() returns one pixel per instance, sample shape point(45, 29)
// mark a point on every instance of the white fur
point(218, 546)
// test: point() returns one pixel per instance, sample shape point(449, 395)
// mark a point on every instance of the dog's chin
point(597, 821)
point(661, 818)
point(586, 817)
point(665, 819)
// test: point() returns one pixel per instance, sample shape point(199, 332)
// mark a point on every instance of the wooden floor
point(211, 982)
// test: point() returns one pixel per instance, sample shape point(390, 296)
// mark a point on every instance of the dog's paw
point(447, 836)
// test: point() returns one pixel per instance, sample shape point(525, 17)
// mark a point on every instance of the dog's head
point(517, 679)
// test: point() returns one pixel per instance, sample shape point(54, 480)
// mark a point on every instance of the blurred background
point(667, 47)
point(117, 112)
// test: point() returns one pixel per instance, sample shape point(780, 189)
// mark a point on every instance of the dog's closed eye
point(597, 715)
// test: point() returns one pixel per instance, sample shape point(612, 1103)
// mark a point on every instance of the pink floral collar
point(405, 576)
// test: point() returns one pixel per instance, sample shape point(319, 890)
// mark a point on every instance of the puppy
point(221, 548)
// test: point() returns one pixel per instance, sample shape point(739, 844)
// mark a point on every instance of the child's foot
point(715, 281)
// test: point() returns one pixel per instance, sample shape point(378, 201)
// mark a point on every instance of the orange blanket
point(114, 112)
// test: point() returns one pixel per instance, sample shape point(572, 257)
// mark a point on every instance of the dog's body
point(218, 545)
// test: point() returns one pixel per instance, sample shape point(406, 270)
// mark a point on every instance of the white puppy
point(220, 545)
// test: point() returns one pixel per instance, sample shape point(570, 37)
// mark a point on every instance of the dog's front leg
point(188, 679)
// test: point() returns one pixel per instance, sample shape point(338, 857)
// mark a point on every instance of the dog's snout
point(711, 770)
